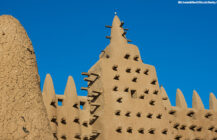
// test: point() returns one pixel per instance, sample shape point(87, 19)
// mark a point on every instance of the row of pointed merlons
point(70, 91)
point(196, 100)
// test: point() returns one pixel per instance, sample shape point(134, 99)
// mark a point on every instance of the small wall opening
point(192, 127)
point(53, 103)
point(85, 124)
point(164, 131)
point(141, 131)
point(76, 120)
point(155, 92)
point(119, 130)
point(60, 102)
point(115, 68)
point(136, 58)
point(190, 113)
point(116, 77)
point(199, 129)
point(141, 97)
point(118, 113)
point(75, 105)
point(133, 93)
point(183, 127)
point(152, 102)
point(154, 82)
point(211, 128)
point(172, 112)
point(63, 137)
point(63, 121)
point(115, 88)
point(146, 91)
point(126, 90)
point(159, 116)
point(129, 130)
point(146, 72)
point(165, 98)
point(138, 70)
point(82, 105)
point(78, 136)
point(128, 70)
point(208, 115)
point(54, 120)
point(149, 115)
point(134, 79)
point(176, 126)
point(107, 56)
point(127, 56)
point(178, 137)
point(127, 114)
point(138, 114)
point(151, 131)
point(55, 136)
point(119, 100)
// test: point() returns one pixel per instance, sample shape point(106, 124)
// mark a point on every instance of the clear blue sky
point(68, 36)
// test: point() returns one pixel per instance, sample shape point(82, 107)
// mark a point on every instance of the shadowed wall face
point(22, 112)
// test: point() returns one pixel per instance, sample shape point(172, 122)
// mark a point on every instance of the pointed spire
point(212, 102)
point(180, 99)
point(48, 88)
point(117, 32)
point(165, 97)
point(197, 103)
point(70, 91)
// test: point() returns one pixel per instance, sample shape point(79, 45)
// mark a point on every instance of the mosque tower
point(125, 98)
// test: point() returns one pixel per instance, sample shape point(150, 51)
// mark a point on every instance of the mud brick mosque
point(124, 101)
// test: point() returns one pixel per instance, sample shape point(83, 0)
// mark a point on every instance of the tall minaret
point(124, 94)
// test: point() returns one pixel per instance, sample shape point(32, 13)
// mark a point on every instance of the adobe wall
point(66, 118)
point(22, 111)
point(127, 102)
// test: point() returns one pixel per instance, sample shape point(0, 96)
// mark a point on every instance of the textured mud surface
point(22, 111)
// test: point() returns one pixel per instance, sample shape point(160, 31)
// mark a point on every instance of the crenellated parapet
point(66, 118)
point(192, 123)
point(196, 100)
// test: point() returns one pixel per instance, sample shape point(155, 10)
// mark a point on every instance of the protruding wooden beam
point(108, 37)
point(124, 34)
point(95, 74)
point(88, 79)
point(122, 24)
point(84, 88)
point(108, 26)
point(129, 40)
point(85, 73)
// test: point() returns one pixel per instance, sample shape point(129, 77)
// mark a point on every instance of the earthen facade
point(124, 98)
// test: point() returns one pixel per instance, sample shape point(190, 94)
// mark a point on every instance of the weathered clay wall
point(22, 111)
point(67, 120)
point(127, 102)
